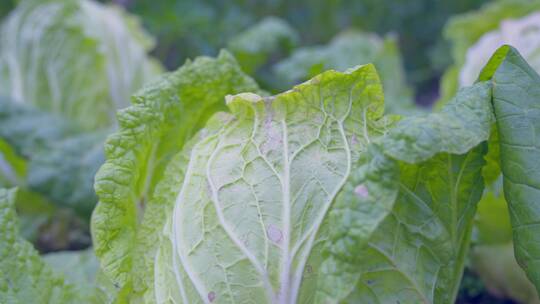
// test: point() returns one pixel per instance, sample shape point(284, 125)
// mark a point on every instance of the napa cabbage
point(313, 195)
point(213, 192)
point(77, 58)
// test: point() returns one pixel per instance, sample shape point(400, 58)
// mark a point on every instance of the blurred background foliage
point(187, 28)
point(6, 6)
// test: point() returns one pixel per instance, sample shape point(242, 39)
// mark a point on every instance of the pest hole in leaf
point(274, 233)
point(273, 134)
point(211, 296)
point(361, 191)
point(354, 140)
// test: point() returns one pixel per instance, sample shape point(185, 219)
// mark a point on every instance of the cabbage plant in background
point(473, 36)
point(66, 67)
point(271, 37)
point(313, 195)
point(76, 58)
point(269, 51)
point(53, 162)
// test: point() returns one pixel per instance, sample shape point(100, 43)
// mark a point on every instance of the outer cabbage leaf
point(254, 46)
point(77, 58)
point(349, 49)
point(417, 253)
point(476, 34)
point(24, 276)
point(249, 221)
point(516, 91)
point(164, 115)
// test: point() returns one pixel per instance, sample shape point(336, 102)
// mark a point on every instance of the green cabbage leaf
point(518, 123)
point(26, 277)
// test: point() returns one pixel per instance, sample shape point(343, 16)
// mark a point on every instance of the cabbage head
point(77, 58)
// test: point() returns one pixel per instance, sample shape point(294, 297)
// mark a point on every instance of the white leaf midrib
point(286, 219)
